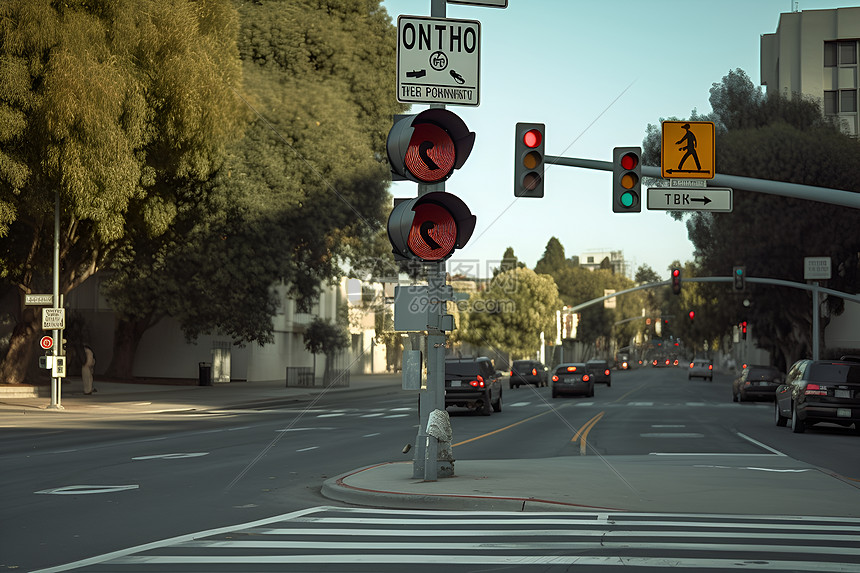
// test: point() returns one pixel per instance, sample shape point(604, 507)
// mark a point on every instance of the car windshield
point(411, 285)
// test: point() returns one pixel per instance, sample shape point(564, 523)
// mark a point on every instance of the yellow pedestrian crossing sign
point(687, 150)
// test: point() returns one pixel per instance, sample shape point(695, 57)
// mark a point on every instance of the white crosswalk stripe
point(389, 540)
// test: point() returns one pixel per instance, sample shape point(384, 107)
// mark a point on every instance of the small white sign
point(53, 318)
point(38, 299)
point(816, 268)
point(609, 302)
point(714, 199)
point(58, 368)
point(438, 60)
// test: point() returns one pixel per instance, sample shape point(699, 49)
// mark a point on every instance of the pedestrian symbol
point(687, 150)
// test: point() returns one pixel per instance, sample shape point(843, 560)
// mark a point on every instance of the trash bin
point(205, 369)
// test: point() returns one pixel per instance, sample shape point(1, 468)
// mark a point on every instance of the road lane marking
point(172, 456)
point(307, 449)
point(761, 445)
point(518, 404)
point(370, 435)
point(87, 489)
point(582, 434)
point(662, 435)
point(668, 426)
point(508, 427)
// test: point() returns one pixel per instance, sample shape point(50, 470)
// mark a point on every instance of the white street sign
point(714, 199)
point(816, 269)
point(58, 368)
point(438, 60)
point(38, 299)
point(53, 318)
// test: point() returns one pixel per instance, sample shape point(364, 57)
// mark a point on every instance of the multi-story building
point(815, 53)
point(593, 259)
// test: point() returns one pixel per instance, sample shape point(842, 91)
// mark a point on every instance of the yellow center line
point(507, 427)
point(582, 434)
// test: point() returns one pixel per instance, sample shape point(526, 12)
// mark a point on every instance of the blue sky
point(563, 63)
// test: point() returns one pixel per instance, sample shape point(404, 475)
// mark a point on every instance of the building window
point(829, 54)
point(831, 106)
point(847, 53)
point(847, 101)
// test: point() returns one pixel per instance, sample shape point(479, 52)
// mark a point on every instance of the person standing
point(87, 370)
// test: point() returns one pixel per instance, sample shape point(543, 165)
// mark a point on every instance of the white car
point(701, 368)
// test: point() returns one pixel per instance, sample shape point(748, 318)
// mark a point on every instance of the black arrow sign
point(426, 226)
point(704, 201)
point(422, 153)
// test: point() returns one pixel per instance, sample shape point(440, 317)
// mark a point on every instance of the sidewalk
point(139, 397)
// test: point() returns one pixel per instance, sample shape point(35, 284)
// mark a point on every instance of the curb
point(337, 489)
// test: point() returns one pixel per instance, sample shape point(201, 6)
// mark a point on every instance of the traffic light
point(528, 160)
point(626, 179)
point(429, 228)
point(429, 146)
point(692, 315)
point(739, 274)
point(744, 330)
point(676, 281)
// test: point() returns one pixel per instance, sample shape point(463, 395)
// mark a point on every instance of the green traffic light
point(627, 199)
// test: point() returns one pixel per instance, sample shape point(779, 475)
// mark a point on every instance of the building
point(593, 259)
point(815, 53)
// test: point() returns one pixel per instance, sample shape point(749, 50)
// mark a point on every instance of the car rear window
point(763, 374)
point(835, 373)
point(462, 368)
point(600, 364)
point(523, 366)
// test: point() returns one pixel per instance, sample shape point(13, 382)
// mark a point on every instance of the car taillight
point(815, 390)
point(479, 383)
point(555, 378)
point(534, 371)
point(710, 366)
point(512, 373)
point(586, 378)
point(606, 372)
point(676, 363)
point(691, 364)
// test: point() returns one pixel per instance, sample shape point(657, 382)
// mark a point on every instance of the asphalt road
point(77, 487)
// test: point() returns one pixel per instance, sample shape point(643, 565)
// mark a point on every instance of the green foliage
point(510, 315)
point(553, 260)
point(323, 336)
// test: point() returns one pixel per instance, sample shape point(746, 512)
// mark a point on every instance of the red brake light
point(710, 366)
point(534, 371)
point(815, 390)
point(691, 364)
point(571, 368)
point(512, 373)
point(606, 372)
point(555, 378)
point(586, 378)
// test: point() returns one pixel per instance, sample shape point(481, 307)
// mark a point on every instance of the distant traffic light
point(429, 228)
point(692, 315)
point(429, 146)
point(528, 160)
point(626, 179)
point(744, 330)
point(676, 281)
point(739, 273)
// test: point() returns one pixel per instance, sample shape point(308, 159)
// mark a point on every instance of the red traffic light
point(429, 146)
point(676, 281)
point(429, 228)
point(676, 273)
point(532, 138)
point(692, 315)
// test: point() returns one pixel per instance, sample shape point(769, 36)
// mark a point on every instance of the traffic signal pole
point(808, 192)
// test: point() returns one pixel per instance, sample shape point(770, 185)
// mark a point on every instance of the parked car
point(756, 382)
point(528, 372)
point(572, 378)
point(473, 383)
point(701, 368)
point(819, 391)
point(599, 370)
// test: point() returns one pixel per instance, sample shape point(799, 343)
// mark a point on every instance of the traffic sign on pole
point(438, 60)
point(46, 343)
point(687, 150)
point(714, 199)
point(53, 318)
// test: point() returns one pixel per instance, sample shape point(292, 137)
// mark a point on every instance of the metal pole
point(816, 312)
point(55, 382)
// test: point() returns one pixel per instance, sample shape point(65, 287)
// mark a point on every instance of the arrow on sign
point(704, 201)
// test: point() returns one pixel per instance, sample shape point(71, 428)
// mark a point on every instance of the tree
point(117, 108)
point(302, 191)
point(510, 315)
point(323, 336)
point(509, 261)
point(552, 262)
point(782, 139)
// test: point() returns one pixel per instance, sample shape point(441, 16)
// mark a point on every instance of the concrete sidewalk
point(137, 397)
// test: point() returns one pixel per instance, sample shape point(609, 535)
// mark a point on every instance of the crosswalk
point(357, 539)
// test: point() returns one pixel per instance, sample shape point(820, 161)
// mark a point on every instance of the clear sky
point(564, 63)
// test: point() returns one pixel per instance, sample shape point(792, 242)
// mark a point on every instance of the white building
point(815, 53)
point(592, 260)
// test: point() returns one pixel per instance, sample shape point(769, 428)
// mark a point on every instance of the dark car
point(701, 368)
point(473, 383)
point(599, 370)
point(819, 391)
point(572, 378)
point(528, 372)
point(756, 382)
